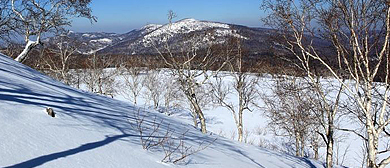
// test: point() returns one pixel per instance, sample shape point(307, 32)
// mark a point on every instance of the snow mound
point(95, 131)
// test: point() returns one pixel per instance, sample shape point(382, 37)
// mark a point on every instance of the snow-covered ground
point(348, 147)
point(95, 131)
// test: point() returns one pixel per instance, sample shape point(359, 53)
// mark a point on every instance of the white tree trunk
point(329, 144)
point(29, 46)
point(195, 118)
point(372, 149)
point(201, 117)
point(297, 146)
point(240, 126)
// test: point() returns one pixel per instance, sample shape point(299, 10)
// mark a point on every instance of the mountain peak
point(197, 24)
point(183, 26)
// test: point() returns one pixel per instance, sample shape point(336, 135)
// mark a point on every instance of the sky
point(120, 16)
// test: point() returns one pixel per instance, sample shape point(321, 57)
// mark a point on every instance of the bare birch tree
point(96, 75)
point(6, 22)
point(190, 67)
point(189, 62)
point(132, 82)
point(290, 110)
point(358, 32)
point(191, 80)
point(171, 94)
point(243, 86)
point(58, 57)
point(153, 87)
point(33, 18)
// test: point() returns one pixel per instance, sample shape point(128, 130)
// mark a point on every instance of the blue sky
point(121, 16)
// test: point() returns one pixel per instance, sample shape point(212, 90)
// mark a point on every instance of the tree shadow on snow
point(99, 110)
point(85, 147)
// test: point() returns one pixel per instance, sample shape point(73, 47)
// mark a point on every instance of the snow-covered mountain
point(187, 26)
point(90, 42)
point(95, 131)
point(142, 41)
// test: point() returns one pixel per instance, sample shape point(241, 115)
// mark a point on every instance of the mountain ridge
point(140, 41)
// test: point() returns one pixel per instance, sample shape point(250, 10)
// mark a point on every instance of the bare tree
point(341, 154)
point(153, 87)
point(6, 22)
point(58, 57)
point(171, 15)
point(243, 86)
point(97, 75)
point(359, 34)
point(32, 18)
point(315, 141)
point(189, 63)
point(132, 82)
point(327, 105)
point(290, 110)
point(11, 48)
point(171, 94)
point(158, 135)
point(189, 67)
point(327, 113)
point(204, 100)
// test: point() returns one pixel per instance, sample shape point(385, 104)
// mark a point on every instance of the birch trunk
point(329, 144)
point(297, 140)
point(202, 122)
point(198, 112)
point(240, 127)
point(29, 46)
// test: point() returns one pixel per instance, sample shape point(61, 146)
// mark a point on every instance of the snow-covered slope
point(187, 26)
point(95, 131)
point(149, 28)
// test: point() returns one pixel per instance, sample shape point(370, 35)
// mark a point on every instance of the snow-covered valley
point(95, 131)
